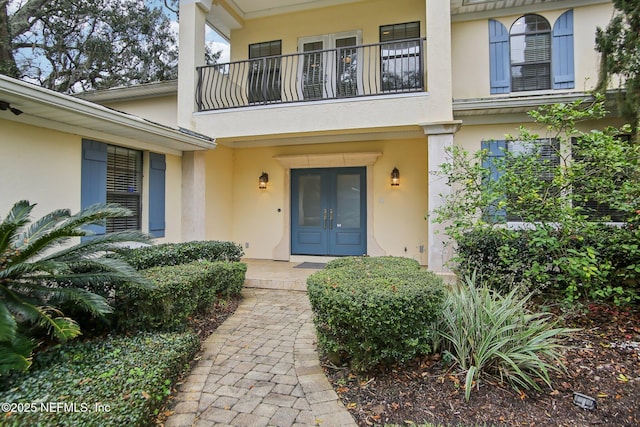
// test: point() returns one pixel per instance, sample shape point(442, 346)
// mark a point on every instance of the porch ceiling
point(462, 10)
point(226, 15)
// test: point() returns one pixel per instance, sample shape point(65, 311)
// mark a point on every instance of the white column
point(439, 68)
point(194, 176)
point(191, 55)
point(192, 44)
point(440, 137)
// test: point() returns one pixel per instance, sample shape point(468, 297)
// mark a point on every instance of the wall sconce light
point(395, 177)
point(262, 181)
point(4, 105)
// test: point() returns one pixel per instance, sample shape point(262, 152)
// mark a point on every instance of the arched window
point(530, 53)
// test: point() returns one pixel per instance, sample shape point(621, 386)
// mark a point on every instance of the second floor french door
point(328, 67)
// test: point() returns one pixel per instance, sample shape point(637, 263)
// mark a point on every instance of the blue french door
point(328, 211)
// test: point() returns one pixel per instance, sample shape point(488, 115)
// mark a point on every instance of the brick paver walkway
point(261, 368)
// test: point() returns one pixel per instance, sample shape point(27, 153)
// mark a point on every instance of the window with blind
point(401, 57)
point(546, 152)
point(264, 75)
point(530, 48)
point(124, 181)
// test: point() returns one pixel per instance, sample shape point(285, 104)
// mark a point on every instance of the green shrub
point(179, 292)
point(181, 253)
point(41, 275)
point(597, 261)
point(490, 335)
point(129, 376)
point(374, 311)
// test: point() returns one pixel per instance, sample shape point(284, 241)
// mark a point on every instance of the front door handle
point(330, 219)
point(325, 220)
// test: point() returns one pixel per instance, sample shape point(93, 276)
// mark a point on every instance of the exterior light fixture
point(395, 177)
point(584, 401)
point(4, 105)
point(262, 181)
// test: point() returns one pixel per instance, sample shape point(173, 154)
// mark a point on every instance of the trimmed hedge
point(598, 262)
point(129, 376)
point(181, 253)
point(374, 311)
point(179, 292)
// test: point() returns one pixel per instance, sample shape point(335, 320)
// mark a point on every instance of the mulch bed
point(602, 360)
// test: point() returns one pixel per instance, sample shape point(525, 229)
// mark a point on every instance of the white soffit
point(52, 110)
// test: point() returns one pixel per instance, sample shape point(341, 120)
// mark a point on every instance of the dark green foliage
point(42, 273)
point(180, 291)
point(563, 244)
point(598, 261)
point(132, 375)
point(619, 45)
point(70, 46)
point(181, 253)
point(375, 311)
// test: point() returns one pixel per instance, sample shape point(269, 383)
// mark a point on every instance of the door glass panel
point(348, 201)
point(313, 70)
point(310, 201)
point(347, 66)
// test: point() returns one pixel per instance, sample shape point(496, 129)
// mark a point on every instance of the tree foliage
point(562, 204)
point(75, 45)
point(619, 45)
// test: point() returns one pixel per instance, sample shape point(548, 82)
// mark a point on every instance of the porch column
point(440, 136)
point(194, 176)
point(438, 56)
point(191, 55)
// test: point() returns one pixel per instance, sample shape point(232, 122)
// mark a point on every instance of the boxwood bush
point(179, 292)
point(375, 311)
point(181, 253)
point(597, 262)
point(128, 376)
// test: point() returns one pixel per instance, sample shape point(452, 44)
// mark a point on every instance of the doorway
point(328, 211)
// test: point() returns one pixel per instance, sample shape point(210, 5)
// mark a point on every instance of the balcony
point(346, 72)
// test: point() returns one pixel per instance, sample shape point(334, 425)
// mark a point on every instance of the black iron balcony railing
point(345, 72)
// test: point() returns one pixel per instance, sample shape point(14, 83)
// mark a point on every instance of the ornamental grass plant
point(490, 335)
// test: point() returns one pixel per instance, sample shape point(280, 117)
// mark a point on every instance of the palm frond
point(15, 355)
point(87, 300)
point(17, 217)
point(41, 227)
point(8, 325)
point(62, 328)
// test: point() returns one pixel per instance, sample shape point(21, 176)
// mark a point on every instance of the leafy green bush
point(128, 376)
point(564, 186)
point(374, 311)
point(490, 335)
point(179, 292)
point(41, 275)
point(181, 253)
point(598, 261)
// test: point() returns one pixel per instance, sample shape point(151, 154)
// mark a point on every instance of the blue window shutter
point(499, 58)
point(496, 151)
point(562, 51)
point(157, 172)
point(93, 177)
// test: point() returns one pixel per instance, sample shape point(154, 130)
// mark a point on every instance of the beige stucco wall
point(163, 110)
point(260, 217)
point(470, 136)
point(39, 165)
point(365, 16)
point(220, 183)
point(470, 40)
point(44, 166)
